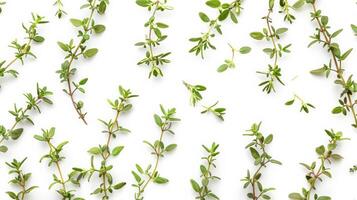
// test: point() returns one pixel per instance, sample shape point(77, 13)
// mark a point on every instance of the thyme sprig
point(2, 3)
point(60, 11)
point(196, 96)
point(203, 191)
point(261, 158)
point(229, 62)
point(304, 106)
point(20, 180)
point(271, 34)
point(143, 177)
point(33, 103)
point(154, 37)
point(67, 72)
point(104, 152)
point(225, 10)
point(23, 50)
point(348, 85)
point(319, 169)
point(55, 158)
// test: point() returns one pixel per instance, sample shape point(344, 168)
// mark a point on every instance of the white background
point(296, 134)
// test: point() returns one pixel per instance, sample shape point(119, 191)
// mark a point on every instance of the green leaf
point(296, 196)
point(245, 50)
point(195, 185)
point(298, 4)
point(254, 153)
point(90, 53)
point(63, 46)
point(213, 3)
point(222, 68)
point(171, 147)
point(204, 17)
point(158, 120)
point(39, 39)
point(99, 28)
point(76, 22)
point(3, 149)
point(281, 30)
point(15, 134)
point(223, 15)
point(288, 103)
point(257, 35)
point(160, 180)
point(119, 186)
point(320, 150)
point(319, 71)
point(116, 151)
point(94, 150)
point(83, 81)
point(324, 198)
point(268, 139)
point(39, 138)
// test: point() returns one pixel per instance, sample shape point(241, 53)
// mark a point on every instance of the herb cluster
point(225, 10)
point(60, 11)
point(229, 62)
point(327, 39)
point(105, 152)
point(304, 106)
point(271, 34)
point(319, 169)
point(20, 180)
point(21, 114)
point(55, 158)
point(87, 27)
point(154, 37)
point(24, 49)
point(202, 189)
point(262, 159)
point(195, 92)
point(144, 176)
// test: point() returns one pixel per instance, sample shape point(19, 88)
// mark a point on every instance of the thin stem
point(74, 56)
point(158, 155)
point(337, 64)
point(63, 183)
point(38, 100)
point(150, 36)
point(106, 156)
point(316, 177)
point(272, 36)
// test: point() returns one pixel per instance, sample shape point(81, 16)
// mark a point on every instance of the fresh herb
point(304, 106)
point(154, 37)
point(316, 172)
point(353, 169)
point(87, 27)
point(348, 85)
point(225, 10)
point(195, 91)
point(20, 180)
point(151, 174)
point(55, 158)
point(1, 4)
point(60, 12)
point(33, 102)
point(276, 51)
point(229, 63)
point(286, 9)
point(23, 50)
point(261, 158)
point(104, 152)
point(203, 191)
